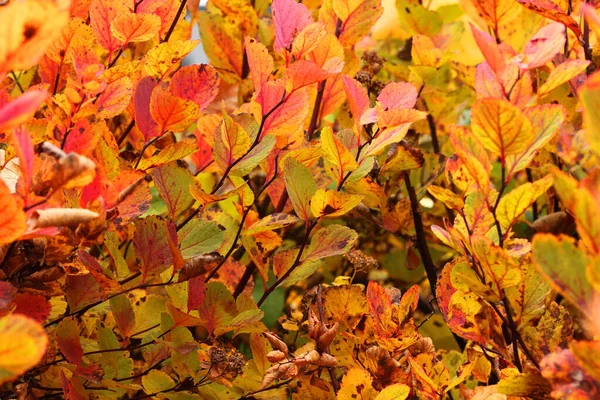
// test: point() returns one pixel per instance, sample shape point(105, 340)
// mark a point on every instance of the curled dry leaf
point(70, 217)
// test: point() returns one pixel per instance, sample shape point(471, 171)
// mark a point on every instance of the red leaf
point(198, 83)
point(141, 101)
point(151, 246)
point(196, 292)
point(20, 110)
point(34, 306)
point(67, 337)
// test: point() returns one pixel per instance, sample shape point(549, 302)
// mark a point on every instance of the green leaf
point(300, 186)
point(173, 182)
point(157, 381)
point(254, 157)
point(199, 237)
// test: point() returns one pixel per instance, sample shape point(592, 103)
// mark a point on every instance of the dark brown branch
point(175, 20)
point(420, 232)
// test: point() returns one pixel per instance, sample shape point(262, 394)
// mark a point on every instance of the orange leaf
point(102, 14)
point(260, 63)
point(357, 18)
point(12, 218)
point(198, 83)
point(115, 98)
point(129, 27)
point(172, 113)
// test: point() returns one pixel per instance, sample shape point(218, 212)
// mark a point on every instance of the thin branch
point(175, 20)
point(420, 231)
point(17, 81)
point(292, 268)
point(314, 119)
point(126, 132)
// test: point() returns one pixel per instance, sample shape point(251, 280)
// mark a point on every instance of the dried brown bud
point(275, 356)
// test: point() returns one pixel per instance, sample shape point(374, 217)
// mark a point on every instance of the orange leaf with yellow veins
point(198, 83)
point(164, 59)
point(27, 28)
point(131, 28)
point(12, 219)
point(490, 50)
point(102, 14)
point(331, 203)
point(501, 127)
point(23, 343)
point(172, 113)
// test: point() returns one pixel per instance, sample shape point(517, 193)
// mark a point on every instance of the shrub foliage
point(352, 200)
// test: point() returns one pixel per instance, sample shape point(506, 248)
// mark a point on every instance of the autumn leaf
point(151, 246)
point(501, 127)
point(13, 221)
point(515, 203)
point(331, 203)
point(23, 344)
point(552, 11)
point(67, 336)
point(130, 27)
point(171, 113)
point(198, 83)
point(300, 186)
point(102, 14)
point(21, 109)
point(330, 241)
point(289, 18)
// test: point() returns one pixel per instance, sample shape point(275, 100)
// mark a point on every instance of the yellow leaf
point(12, 219)
point(22, 345)
point(590, 97)
point(397, 391)
point(448, 197)
point(564, 72)
point(515, 203)
point(331, 203)
point(500, 126)
point(357, 384)
point(336, 153)
point(164, 59)
point(405, 157)
point(231, 142)
point(499, 269)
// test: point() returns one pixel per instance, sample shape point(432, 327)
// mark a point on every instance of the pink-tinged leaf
point(358, 17)
point(141, 101)
point(303, 73)
point(289, 19)
point(20, 110)
point(67, 337)
point(196, 293)
point(544, 46)
point(123, 314)
point(173, 182)
point(398, 95)
point(115, 98)
point(490, 50)
point(260, 63)
point(218, 307)
point(102, 13)
point(151, 246)
point(7, 294)
point(24, 148)
point(198, 83)
point(551, 10)
point(486, 83)
point(358, 98)
point(34, 306)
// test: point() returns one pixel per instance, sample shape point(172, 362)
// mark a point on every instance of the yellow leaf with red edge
point(21, 109)
point(329, 241)
point(23, 343)
point(500, 126)
point(131, 28)
point(357, 384)
point(13, 221)
point(546, 121)
point(172, 113)
point(336, 153)
point(357, 18)
point(404, 158)
point(331, 203)
point(165, 58)
point(27, 28)
point(308, 39)
point(515, 203)
point(231, 142)
point(198, 83)
point(499, 269)
point(590, 97)
point(494, 13)
point(173, 152)
point(102, 14)
point(563, 73)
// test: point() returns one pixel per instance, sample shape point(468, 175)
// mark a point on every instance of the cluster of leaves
point(345, 203)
